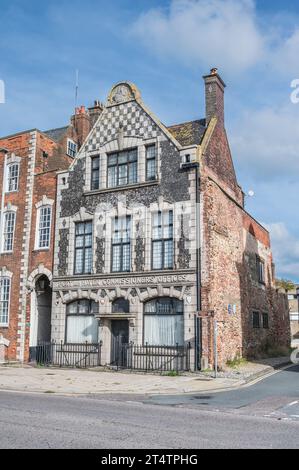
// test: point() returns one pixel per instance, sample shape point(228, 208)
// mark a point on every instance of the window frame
point(121, 243)
point(256, 314)
point(5, 216)
point(71, 152)
point(10, 178)
point(149, 159)
point(92, 171)
point(265, 325)
point(38, 228)
point(78, 314)
point(119, 165)
point(83, 248)
point(3, 279)
point(163, 240)
point(159, 314)
point(261, 270)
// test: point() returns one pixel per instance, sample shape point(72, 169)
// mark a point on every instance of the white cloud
point(286, 251)
point(220, 33)
point(265, 142)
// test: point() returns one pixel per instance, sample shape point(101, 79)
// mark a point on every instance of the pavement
point(84, 382)
point(262, 415)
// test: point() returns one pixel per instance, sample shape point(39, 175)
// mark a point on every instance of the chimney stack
point(214, 94)
point(81, 123)
point(95, 111)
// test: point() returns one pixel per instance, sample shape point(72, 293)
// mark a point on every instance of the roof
point(56, 134)
point(189, 133)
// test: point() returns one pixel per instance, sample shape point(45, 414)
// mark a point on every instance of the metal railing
point(83, 355)
point(149, 358)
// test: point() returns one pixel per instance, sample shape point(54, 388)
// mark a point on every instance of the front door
point(120, 338)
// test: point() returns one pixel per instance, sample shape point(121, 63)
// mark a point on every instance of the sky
point(165, 47)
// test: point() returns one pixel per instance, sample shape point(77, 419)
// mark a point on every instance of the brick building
point(29, 162)
point(153, 244)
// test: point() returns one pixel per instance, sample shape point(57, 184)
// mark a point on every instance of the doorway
point(119, 338)
point(41, 306)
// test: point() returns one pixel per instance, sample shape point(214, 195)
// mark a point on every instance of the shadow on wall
point(264, 310)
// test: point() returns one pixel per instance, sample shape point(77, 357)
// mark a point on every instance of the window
point(44, 227)
point(4, 300)
point(95, 173)
point(9, 228)
point(256, 320)
point(151, 163)
point(72, 148)
point(162, 240)
point(121, 244)
point(260, 266)
point(164, 322)
point(13, 177)
point(81, 324)
point(122, 168)
point(121, 306)
point(265, 320)
point(83, 248)
point(292, 296)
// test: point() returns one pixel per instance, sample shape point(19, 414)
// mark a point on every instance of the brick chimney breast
point(82, 124)
point(214, 96)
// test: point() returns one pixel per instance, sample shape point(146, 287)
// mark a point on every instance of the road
point(261, 416)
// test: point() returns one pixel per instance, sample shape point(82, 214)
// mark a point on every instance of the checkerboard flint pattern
point(132, 118)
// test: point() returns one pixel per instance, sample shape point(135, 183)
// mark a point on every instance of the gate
point(83, 355)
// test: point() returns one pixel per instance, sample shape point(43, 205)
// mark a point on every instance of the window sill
point(37, 250)
point(127, 187)
point(4, 327)
point(6, 253)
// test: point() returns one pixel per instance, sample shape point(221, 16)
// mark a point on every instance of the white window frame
point(8, 210)
point(45, 202)
point(71, 152)
point(4, 274)
point(8, 177)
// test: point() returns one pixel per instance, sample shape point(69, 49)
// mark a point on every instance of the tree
point(285, 284)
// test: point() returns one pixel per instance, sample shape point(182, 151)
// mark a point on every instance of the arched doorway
point(41, 305)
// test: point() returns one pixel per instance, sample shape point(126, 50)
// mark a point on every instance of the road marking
point(293, 403)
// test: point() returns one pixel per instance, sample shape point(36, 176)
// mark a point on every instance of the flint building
point(152, 242)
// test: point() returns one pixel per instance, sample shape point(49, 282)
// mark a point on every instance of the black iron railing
point(83, 356)
point(153, 358)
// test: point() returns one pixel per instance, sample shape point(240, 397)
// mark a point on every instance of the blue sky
point(165, 47)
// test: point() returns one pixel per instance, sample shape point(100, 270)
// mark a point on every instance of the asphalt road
point(254, 417)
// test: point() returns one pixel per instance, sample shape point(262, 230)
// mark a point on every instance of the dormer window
point(13, 171)
point(72, 148)
point(122, 168)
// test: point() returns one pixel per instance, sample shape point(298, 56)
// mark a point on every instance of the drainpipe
point(198, 326)
point(3, 195)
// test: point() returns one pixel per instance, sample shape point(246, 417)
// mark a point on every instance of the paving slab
point(83, 382)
